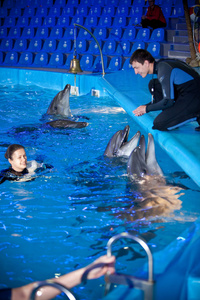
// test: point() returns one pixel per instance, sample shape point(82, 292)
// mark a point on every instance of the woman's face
point(18, 160)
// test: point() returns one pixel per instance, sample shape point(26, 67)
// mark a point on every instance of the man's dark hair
point(11, 149)
point(140, 55)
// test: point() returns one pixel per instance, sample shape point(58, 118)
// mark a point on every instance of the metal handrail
point(102, 62)
point(53, 284)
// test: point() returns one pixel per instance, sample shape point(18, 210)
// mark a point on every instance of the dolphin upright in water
point(119, 144)
point(60, 106)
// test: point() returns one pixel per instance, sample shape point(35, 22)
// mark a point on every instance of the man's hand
point(141, 110)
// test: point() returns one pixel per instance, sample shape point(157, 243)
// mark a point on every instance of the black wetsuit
point(5, 294)
point(11, 175)
point(180, 89)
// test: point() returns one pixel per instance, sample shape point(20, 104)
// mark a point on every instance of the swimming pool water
point(63, 219)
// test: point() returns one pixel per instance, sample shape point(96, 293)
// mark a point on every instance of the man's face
point(140, 69)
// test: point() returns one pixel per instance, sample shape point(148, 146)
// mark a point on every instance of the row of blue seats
point(101, 34)
point(50, 3)
point(85, 11)
point(110, 47)
point(88, 62)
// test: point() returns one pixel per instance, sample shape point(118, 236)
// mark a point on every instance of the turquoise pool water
point(63, 219)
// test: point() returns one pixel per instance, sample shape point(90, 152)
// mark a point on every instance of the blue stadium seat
point(56, 60)
point(84, 34)
point(55, 11)
point(49, 45)
point(47, 3)
point(9, 21)
point(26, 59)
point(95, 10)
point(158, 35)
point(105, 21)
point(68, 10)
point(101, 33)
point(112, 2)
point(28, 32)
point(60, 3)
point(64, 46)
point(129, 34)
point(81, 46)
point(86, 2)
point(49, 21)
point(22, 3)
point(154, 49)
point(78, 20)
point(109, 10)
point(42, 32)
point(120, 21)
point(166, 11)
point(64, 21)
point(8, 3)
point(122, 10)
point(139, 2)
point(123, 48)
point(135, 20)
point(143, 34)
point(15, 12)
point(97, 66)
point(177, 11)
point(56, 33)
point(115, 34)
point(69, 33)
point(109, 47)
point(82, 10)
point(11, 58)
point(125, 2)
point(98, 2)
point(68, 60)
point(169, 3)
point(41, 59)
point(115, 64)
point(34, 3)
point(3, 12)
point(42, 11)
point(138, 45)
point(93, 47)
point(35, 45)
point(14, 32)
point(22, 21)
point(91, 21)
point(1, 57)
point(29, 11)
point(127, 65)
point(136, 11)
point(20, 45)
point(3, 32)
point(6, 44)
point(36, 21)
point(86, 62)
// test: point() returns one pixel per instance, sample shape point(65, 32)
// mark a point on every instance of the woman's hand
point(141, 110)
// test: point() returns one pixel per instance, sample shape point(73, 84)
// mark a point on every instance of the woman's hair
point(140, 55)
point(11, 149)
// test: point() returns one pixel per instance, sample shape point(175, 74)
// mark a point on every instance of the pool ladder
point(147, 286)
point(56, 285)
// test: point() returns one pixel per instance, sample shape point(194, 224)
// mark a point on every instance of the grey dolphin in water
point(60, 106)
point(141, 163)
point(119, 145)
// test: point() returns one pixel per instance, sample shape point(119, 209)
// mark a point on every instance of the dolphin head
point(150, 158)
point(60, 103)
point(119, 145)
point(117, 140)
point(136, 166)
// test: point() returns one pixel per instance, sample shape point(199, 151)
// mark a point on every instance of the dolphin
point(60, 103)
point(141, 163)
point(119, 144)
point(60, 107)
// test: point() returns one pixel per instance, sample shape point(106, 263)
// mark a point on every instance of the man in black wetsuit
point(176, 91)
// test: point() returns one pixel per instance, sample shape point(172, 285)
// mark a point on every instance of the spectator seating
point(49, 45)
point(93, 47)
point(101, 33)
point(11, 58)
point(123, 48)
point(91, 21)
point(64, 46)
point(127, 65)
point(120, 21)
point(109, 10)
point(138, 45)
point(95, 10)
point(115, 64)
point(3, 32)
point(26, 59)
point(105, 21)
point(56, 60)
point(86, 62)
point(158, 35)
point(154, 49)
point(97, 66)
point(129, 34)
point(143, 34)
point(109, 47)
point(28, 32)
point(115, 33)
point(20, 45)
point(35, 45)
point(63, 21)
point(84, 34)
point(6, 44)
point(42, 32)
point(22, 21)
point(69, 33)
point(41, 59)
point(14, 32)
